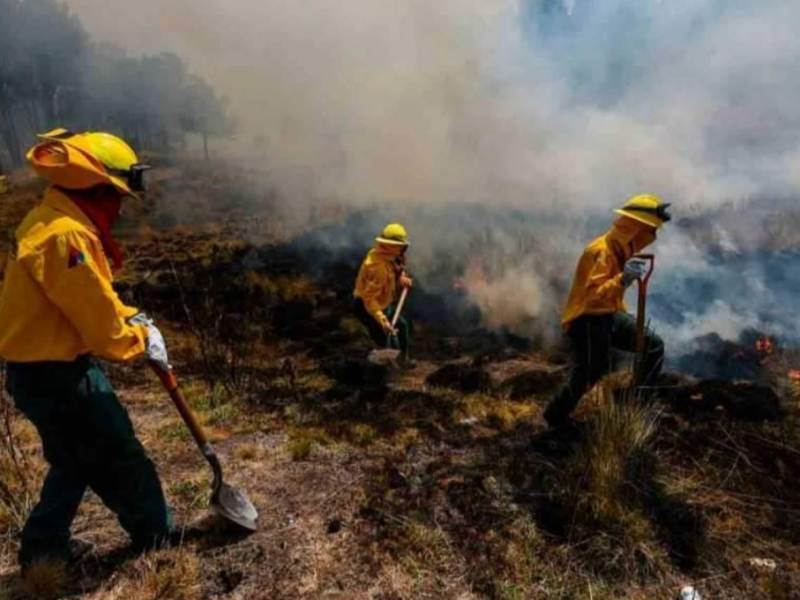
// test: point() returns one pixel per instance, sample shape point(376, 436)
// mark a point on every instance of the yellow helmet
point(394, 235)
point(647, 209)
point(81, 161)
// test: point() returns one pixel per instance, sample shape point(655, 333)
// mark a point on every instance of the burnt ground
point(441, 482)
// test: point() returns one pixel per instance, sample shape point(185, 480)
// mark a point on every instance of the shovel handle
point(400, 305)
point(170, 383)
point(641, 312)
point(650, 258)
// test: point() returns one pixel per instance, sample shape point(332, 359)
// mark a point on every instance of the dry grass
point(168, 575)
point(303, 441)
point(46, 579)
point(497, 413)
point(602, 487)
point(426, 553)
point(173, 574)
point(174, 432)
point(191, 493)
point(619, 433)
point(20, 467)
point(249, 452)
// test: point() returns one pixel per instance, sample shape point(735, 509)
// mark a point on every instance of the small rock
point(763, 564)
point(689, 593)
point(468, 422)
point(531, 383)
point(462, 377)
point(356, 373)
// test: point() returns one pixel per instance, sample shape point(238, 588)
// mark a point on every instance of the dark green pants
point(401, 342)
point(89, 442)
point(593, 339)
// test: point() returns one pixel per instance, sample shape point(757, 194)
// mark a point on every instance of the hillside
point(441, 482)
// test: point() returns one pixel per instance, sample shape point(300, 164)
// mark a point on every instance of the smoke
point(494, 101)
point(549, 108)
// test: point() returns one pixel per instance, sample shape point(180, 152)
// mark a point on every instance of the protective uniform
point(58, 310)
point(58, 303)
point(595, 317)
point(377, 288)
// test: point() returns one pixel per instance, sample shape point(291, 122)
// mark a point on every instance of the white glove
point(155, 346)
point(387, 326)
point(140, 319)
point(635, 269)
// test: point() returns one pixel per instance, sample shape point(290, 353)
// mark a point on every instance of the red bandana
point(103, 213)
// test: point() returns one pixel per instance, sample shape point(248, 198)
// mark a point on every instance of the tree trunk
point(11, 138)
point(33, 116)
point(205, 143)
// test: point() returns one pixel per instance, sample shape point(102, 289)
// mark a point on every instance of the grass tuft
point(425, 548)
point(303, 441)
point(618, 434)
point(191, 493)
point(603, 483)
point(174, 432)
point(168, 575)
point(46, 578)
point(250, 452)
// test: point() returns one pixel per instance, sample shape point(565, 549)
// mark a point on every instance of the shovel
point(389, 355)
point(641, 313)
point(226, 501)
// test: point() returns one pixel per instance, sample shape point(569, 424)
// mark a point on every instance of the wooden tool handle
point(651, 258)
point(641, 312)
point(170, 382)
point(400, 305)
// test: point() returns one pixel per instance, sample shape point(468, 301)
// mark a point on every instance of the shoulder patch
point(76, 257)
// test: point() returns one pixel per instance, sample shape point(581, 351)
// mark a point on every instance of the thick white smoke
point(478, 100)
point(502, 103)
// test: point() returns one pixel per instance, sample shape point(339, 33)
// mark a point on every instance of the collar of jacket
point(388, 254)
point(60, 202)
point(620, 238)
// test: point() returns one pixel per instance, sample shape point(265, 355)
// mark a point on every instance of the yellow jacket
point(597, 288)
point(377, 281)
point(57, 301)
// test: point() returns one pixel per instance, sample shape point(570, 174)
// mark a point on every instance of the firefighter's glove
point(387, 326)
point(155, 346)
point(140, 319)
point(635, 269)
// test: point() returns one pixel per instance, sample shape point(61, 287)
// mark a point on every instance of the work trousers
point(401, 342)
point(89, 442)
point(593, 339)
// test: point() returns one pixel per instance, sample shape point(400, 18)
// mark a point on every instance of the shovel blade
point(233, 505)
point(383, 357)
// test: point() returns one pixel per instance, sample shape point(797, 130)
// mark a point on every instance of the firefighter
point(58, 315)
point(595, 318)
point(380, 278)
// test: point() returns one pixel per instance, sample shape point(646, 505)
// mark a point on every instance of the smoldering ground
point(461, 117)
